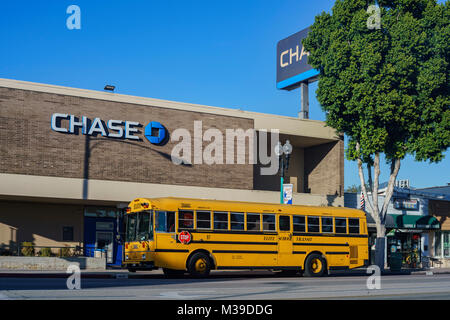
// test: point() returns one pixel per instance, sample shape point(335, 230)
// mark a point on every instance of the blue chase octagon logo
point(156, 133)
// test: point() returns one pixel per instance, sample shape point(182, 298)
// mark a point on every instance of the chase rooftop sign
point(154, 131)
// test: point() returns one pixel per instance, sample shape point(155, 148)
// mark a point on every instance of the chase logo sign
point(154, 132)
point(292, 61)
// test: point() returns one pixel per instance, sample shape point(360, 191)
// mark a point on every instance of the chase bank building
point(72, 159)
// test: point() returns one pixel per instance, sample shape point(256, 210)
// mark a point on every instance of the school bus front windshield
point(139, 226)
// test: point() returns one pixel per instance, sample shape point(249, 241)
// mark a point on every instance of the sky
point(216, 53)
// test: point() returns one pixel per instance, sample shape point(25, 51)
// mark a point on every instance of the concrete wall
point(50, 264)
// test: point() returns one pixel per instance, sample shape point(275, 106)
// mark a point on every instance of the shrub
point(64, 252)
point(27, 249)
point(45, 252)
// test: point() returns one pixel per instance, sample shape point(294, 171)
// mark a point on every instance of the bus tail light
point(145, 205)
point(126, 246)
point(128, 210)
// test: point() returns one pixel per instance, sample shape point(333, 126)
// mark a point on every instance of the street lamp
point(280, 150)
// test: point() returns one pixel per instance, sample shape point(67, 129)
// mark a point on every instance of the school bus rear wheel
point(315, 265)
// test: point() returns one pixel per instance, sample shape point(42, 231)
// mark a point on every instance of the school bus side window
point(237, 221)
point(165, 221)
point(185, 219)
point(203, 220)
point(327, 224)
point(284, 223)
point(253, 222)
point(353, 225)
point(313, 224)
point(268, 222)
point(341, 225)
point(221, 220)
point(299, 223)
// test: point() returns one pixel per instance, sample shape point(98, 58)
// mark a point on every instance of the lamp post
point(285, 150)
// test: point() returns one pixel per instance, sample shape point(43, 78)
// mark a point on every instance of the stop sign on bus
point(184, 237)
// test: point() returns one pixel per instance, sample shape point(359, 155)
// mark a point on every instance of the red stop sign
point(184, 237)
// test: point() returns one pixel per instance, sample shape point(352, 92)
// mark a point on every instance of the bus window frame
point(336, 226)
point(246, 221)
point(178, 219)
point(359, 225)
point(294, 224)
point(214, 220)
point(321, 224)
point(290, 223)
point(274, 222)
point(237, 223)
point(314, 225)
point(196, 219)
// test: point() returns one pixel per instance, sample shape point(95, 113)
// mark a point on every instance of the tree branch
point(395, 167)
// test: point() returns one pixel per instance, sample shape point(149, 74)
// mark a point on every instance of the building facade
point(72, 159)
point(416, 225)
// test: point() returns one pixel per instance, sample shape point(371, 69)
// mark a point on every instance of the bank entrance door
point(104, 242)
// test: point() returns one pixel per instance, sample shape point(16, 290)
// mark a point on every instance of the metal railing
point(52, 251)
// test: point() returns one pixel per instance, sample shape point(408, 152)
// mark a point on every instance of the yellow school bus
point(195, 236)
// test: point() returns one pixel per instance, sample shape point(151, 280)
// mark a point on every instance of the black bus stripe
point(339, 235)
point(244, 251)
point(234, 242)
point(171, 250)
point(321, 244)
point(298, 252)
point(337, 252)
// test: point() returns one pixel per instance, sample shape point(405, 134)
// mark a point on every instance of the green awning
point(399, 221)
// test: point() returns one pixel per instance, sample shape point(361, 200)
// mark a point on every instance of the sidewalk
point(123, 273)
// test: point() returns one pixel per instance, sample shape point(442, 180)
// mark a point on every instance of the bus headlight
point(126, 257)
point(143, 256)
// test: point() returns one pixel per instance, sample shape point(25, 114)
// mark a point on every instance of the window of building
point(284, 223)
point(327, 224)
point(237, 221)
point(353, 225)
point(203, 219)
point(341, 225)
point(268, 222)
point(185, 219)
point(67, 234)
point(253, 222)
point(313, 224)
point(442, 244)
point(165, 221)
point(101, 212)
point(298, 223)
point(221, 220)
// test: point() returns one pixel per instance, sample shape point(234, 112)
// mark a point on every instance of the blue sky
point(218, 53)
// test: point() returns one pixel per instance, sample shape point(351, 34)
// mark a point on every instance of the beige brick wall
point(29, 146)
point(324, 169)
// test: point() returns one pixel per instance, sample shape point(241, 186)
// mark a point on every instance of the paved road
point(236, 286)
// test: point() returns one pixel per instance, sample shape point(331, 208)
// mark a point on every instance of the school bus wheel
point(315, 265)
point(199, 265)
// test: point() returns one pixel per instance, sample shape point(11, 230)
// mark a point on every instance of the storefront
point(72, 158)
point(409, 236)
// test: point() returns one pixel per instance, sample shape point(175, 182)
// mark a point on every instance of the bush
point(27, 249)
point(64, 252)
point(45, 252)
